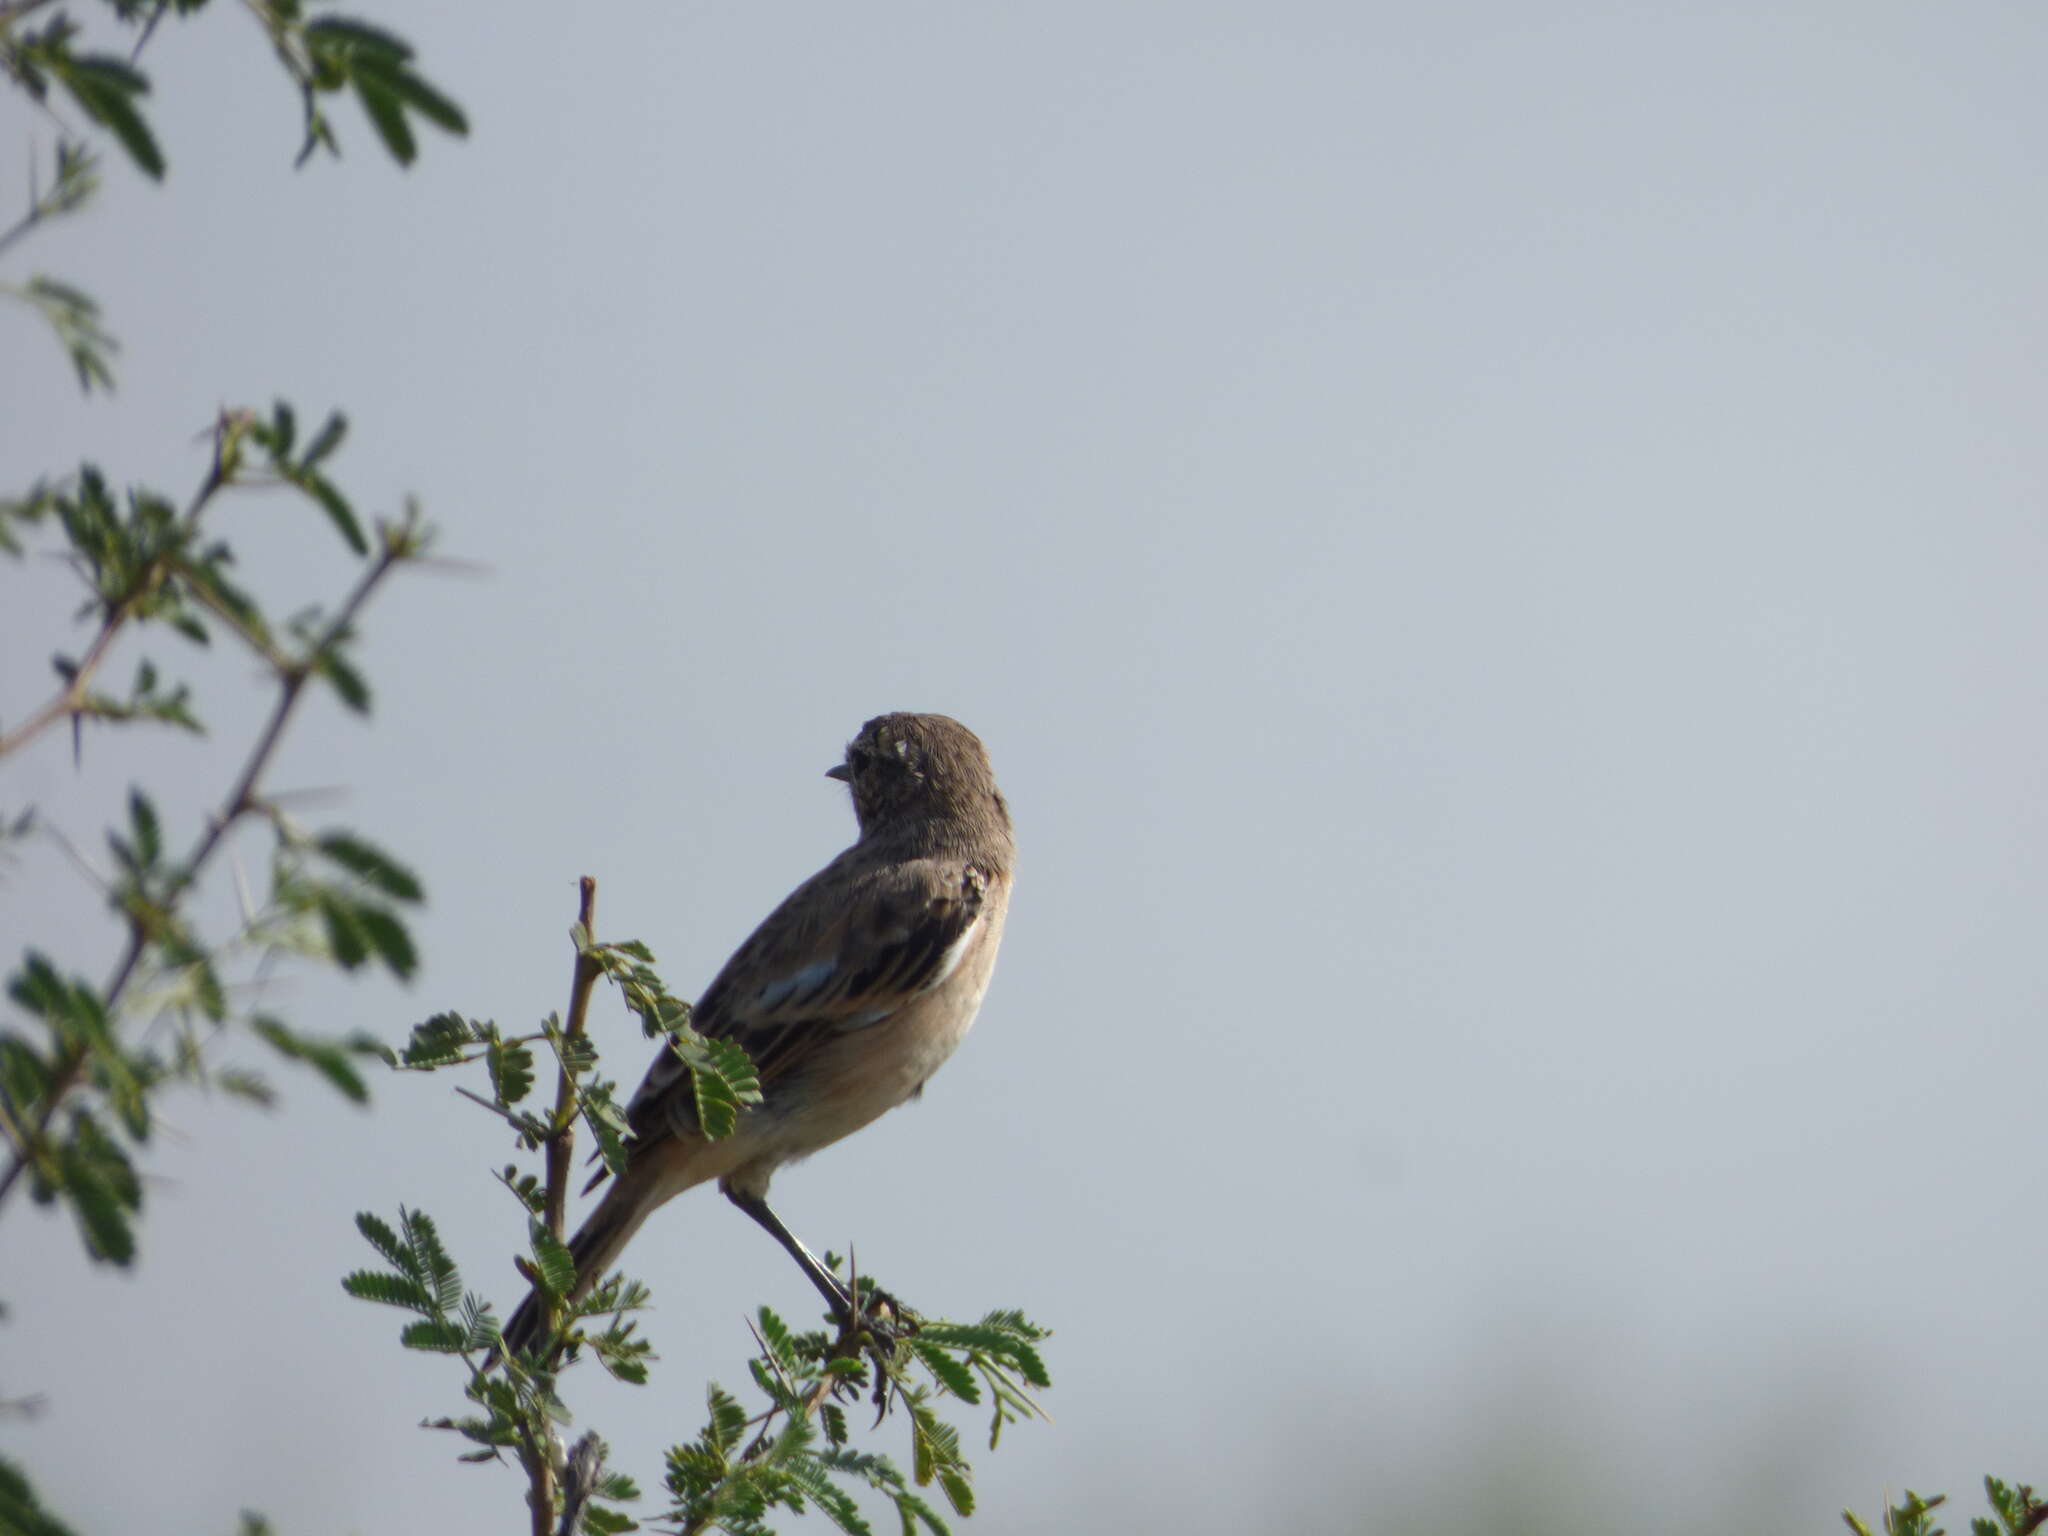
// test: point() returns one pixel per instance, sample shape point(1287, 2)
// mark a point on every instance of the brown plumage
point(848, 996)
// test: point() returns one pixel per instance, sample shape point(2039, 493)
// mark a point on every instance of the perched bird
point(848, 997)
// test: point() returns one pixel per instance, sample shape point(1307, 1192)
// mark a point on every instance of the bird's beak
point(840, 772)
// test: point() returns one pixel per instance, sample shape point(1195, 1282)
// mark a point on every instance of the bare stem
point(562, 1144)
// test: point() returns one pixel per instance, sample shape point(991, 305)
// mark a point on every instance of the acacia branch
point(562, 1144)
point(69, 1067)
point(541, 1495)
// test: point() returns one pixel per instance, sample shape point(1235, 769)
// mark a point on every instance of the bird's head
point(919, 767)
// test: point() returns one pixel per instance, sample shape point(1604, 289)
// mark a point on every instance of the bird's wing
point(847, 949)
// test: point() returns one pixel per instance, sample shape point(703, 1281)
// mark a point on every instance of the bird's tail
point(595, 1247)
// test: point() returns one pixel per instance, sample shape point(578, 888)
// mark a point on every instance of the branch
point(71, 700)
point(561, 1153)
point(399, 544)
point(562, 1145)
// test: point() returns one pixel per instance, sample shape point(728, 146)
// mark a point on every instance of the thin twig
point(148, 30)
point(20, 227)
point(502, 1113)
point(70, 700)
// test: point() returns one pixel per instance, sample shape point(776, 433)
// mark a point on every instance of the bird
point(847, 997)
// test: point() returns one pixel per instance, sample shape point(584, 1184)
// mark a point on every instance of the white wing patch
point(949, 962)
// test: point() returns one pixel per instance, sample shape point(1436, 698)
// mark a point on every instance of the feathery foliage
point(746, 1469)
point(83, 1060)
point(2017, 1513)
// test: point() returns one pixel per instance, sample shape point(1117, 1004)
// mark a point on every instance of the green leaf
point(555, 1265)
point(324, 443)
point(370, 864)
point(387, 116)
point(391, 1290)
point(428, 102)
point(247, 1086)
point(607, 1124)
point(207, 993)
point(386, 1242)
point(511, 1071)
point(953, 1374)
point(326, 1057)
point(283, 430)
point(435, 1334)
point(330, 1062)
point(105, 89)
point(20, 1512)
point(438, 1267)
point(835, 1501)
point(623, 1356)
point(100, 1184)
point(149, 845)
point(1005, 1335)
point(479, 1323)
point(388, 936)
point(345, 35)
point(728, 1421)
point(959, 1492)
point(722, 1076)
point(346, 937)
point(347, 681)
point(526, 1187)
point(909, 1504)
point(439, 1041)
point(336, 506)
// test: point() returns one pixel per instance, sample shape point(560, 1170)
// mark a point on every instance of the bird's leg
point(829, 1285)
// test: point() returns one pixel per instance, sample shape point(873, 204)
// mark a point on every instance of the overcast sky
point(1498, 550)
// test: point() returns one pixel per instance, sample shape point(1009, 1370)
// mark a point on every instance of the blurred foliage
point(83, 1060)
point(78, 1074)
point(325, 56)
point(2017, 1513)
point(792, 1452)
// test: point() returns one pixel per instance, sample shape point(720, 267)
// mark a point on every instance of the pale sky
point(1499, 553)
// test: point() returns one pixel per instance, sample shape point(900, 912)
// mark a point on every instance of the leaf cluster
point(144, 562)
point(2017, 1513)
point(105, 87)
point(21, 1514)
point(793, 1453)
point(322, 55)
point(81, 1061)
point(800, 1452)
